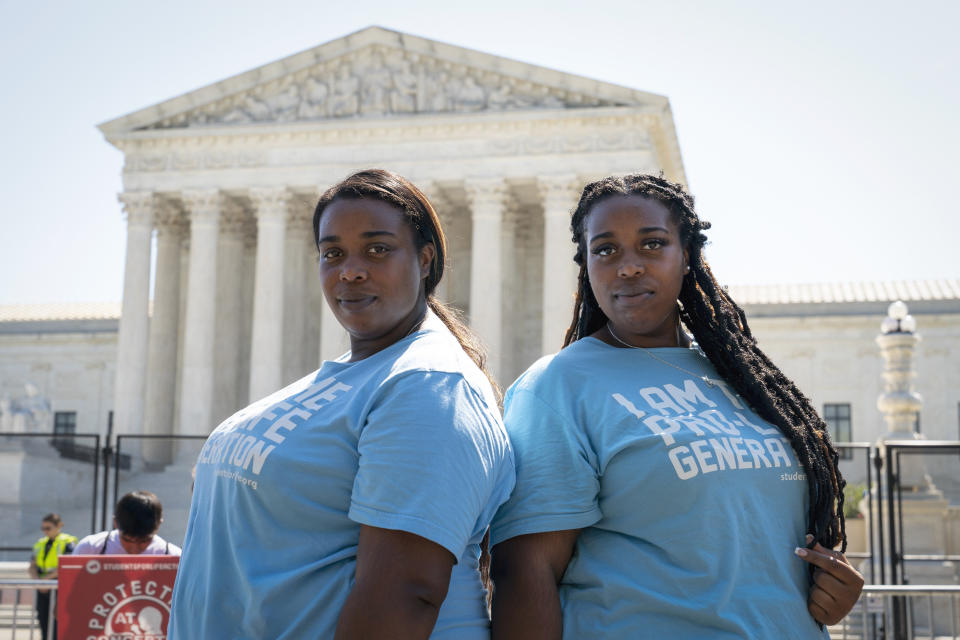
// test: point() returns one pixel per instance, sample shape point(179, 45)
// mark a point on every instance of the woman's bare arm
point(525, 572)
point(401, 582)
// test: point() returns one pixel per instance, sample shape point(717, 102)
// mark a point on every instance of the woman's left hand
point(836, 584)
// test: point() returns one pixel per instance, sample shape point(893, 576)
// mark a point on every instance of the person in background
point(666, 488)
point(43, 564)
point(136, 519)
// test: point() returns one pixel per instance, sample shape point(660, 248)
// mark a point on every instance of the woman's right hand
point(526, 571)
point(836, 584)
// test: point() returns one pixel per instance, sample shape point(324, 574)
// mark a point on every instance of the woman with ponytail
point(360, 504)
point(669, 484)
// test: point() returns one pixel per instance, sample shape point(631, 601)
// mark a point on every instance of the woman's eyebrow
point(605, 234)
point(609, 234)
point(365, 234)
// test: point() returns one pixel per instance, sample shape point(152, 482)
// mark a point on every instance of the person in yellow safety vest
point(43, 564)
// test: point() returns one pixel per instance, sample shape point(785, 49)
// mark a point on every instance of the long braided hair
point(422, 218)
point(720, 328)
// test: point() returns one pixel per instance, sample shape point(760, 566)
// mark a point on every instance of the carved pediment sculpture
point(379, 81)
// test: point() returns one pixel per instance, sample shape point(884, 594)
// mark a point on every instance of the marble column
point(196, 396)
point(130, 386)
point(248, 271)
point(559, 195)
point(229, 313)
point(486, 200)
point(266, 346)
point(296, 301)
point(164, 325)
point(313, 290)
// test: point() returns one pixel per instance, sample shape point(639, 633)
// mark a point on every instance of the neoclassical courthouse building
point(219, 188)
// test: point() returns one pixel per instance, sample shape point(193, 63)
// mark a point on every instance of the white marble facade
point(219, 187)
point(226, 178)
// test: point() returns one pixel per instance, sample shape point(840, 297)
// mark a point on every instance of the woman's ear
point(427, 254)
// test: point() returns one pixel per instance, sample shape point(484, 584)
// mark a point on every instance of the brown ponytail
point(395, 190)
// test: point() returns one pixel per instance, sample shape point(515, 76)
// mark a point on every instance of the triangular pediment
point(376, 73)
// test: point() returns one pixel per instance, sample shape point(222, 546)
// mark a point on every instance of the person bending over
point(136, 520)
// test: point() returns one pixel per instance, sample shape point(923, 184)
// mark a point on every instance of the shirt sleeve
point(557, 482)
point(85, 547)
point(429, 459)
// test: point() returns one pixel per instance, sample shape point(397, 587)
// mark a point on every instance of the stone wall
point(73, 368)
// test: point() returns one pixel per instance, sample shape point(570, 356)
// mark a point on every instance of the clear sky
point(820, 138)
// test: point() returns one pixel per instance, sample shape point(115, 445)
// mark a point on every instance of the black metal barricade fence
point(81, 476)
point(872, 618)
point(164, 466)
point(906, 468)
point(74, 474)
point(46, 473)
point(887, 473)
point(858, 458)
point(125, 462)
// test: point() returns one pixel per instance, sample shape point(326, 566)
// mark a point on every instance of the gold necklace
point(708, 381)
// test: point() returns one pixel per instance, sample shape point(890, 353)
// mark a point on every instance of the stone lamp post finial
point(898, 319)
point(899, 403)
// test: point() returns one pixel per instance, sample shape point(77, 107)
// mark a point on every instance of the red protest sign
point(115, 597)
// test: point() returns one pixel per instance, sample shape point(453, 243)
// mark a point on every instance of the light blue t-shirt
point(690, 505)
point(407, 439)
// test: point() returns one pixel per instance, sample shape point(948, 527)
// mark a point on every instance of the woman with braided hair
point(665, 487)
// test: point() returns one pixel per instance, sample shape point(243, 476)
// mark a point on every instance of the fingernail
point(809, 538)
point(800, 551)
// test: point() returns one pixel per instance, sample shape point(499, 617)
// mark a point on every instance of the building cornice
point(452, 137)
point(362, 130)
